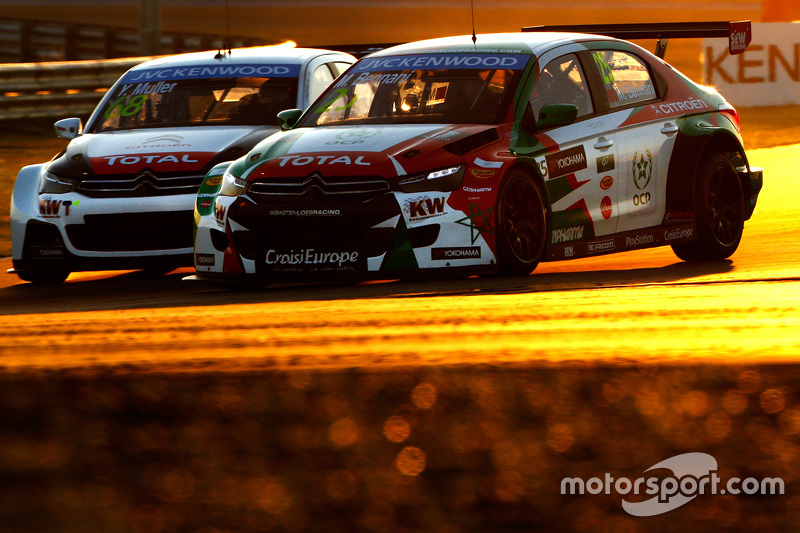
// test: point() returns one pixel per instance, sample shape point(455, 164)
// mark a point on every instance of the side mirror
point(288, 118)
point(68, 128)
point(553, 115)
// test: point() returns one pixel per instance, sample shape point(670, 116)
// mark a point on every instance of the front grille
point(317, 188)
point(133, 232)
point(142, 185)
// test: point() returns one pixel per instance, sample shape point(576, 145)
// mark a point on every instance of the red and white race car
point(122, 194)
point(485, 156)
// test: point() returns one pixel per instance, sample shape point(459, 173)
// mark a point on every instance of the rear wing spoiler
point(739, 33)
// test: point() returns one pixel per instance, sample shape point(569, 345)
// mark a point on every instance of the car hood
point(389, 151)
point(181, 150)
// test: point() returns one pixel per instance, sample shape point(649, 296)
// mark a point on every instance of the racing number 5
point(340, 93)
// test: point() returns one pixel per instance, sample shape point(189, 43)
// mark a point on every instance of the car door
point(644, 147)
point(580, 169)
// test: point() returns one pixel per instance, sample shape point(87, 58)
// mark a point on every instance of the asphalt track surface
point(136, 404)
point(640, 306)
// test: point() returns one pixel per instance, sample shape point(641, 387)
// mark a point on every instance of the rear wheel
point(521, 225)
point(720, 212)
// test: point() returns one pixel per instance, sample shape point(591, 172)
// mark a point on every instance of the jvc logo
point(427, 207)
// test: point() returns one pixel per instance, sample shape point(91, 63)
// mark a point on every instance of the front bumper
point(390, 235)
point(72, 232)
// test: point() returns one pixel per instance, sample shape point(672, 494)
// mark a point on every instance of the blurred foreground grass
point(29, 142)
point(444, 450)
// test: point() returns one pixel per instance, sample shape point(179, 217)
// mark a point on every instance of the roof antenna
point(225, 44)
point(474, 37)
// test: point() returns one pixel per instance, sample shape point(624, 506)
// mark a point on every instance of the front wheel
point(521, 225)
point(720, 212)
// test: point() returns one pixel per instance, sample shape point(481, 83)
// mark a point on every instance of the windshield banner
point(442, 61)
point(211, 72)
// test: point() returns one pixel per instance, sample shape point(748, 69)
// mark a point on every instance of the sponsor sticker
point(566, 162)
point(299, 161)
point(605, 207)
point(47, 252)
point(205, 260)
point(600, 247)
point(422, 208)
point(310, 257)
point(642, 169)
point(220, 212)
point(740, 36)
point(482, 173)
point(643, 239)
point(211, 72)
point(686, 106)
point(442, 61)
point(606, 183)
point(573, 233)
point(305, 212)
point(679, 217)
point(214, 181)
point(605, 163)
point(447, 254)
point(679, 234)
point(488, 164)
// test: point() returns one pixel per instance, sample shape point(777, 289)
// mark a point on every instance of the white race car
point(122, 194)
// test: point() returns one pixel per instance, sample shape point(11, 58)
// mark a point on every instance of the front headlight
point(55, 184)
point(231, 185)
point(445, 179)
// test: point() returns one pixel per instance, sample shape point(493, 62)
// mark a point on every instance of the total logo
point(299, 161)
point(151, 159)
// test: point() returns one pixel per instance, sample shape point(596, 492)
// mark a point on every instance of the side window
point(338, 67)
point(562, 81)
point(321, 78)
point(625, 77)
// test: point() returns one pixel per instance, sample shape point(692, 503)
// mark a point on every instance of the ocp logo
point(642, 169)
point(358, 134)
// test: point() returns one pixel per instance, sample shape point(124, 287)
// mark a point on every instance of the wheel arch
point(532, 170)
point(687, 156)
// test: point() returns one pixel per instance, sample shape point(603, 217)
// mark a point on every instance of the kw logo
point(425, 208)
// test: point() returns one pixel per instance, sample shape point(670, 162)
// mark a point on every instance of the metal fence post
point(150, 27)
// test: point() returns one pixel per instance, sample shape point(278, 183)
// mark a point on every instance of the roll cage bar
point(739, 33)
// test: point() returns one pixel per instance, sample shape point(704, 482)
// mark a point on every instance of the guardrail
point(24, 40)
point(57, 89)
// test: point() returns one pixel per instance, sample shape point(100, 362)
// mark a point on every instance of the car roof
point(527, 42)
point(278, 54)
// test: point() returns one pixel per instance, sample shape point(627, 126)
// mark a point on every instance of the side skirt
point(623, 242)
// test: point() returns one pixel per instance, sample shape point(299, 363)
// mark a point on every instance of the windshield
point(191, 96)
point(463, 88)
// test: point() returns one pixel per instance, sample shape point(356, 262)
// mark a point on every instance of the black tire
point(521, 225)
point(45, 277)
point(719, 203)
